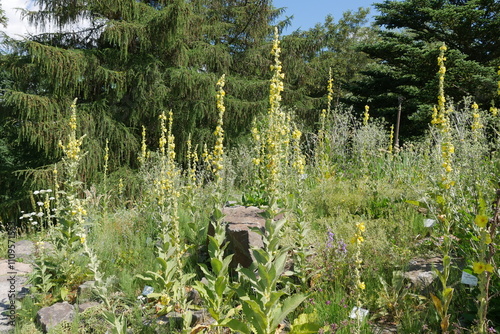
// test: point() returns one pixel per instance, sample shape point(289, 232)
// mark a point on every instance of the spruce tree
point(129, 61)
point(406, 54)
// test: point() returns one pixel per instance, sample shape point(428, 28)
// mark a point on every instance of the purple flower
point(331, 239)
point(328, 302)
point(342, 247)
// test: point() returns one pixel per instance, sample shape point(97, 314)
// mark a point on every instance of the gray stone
point(25, 249)
point(51, 316)
point(85, 291)
point(421, 272)
point(84, 306)
point(175, 320)
point(239, 222)
point(12, 274)
point(193, 296)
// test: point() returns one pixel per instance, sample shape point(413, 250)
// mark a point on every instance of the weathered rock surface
point(12, 282)
point(174, 319)
point(240, 220)
point(85, 291)
point(421, 272)
point(25, 250)
point(51, 316)
point(87, 305)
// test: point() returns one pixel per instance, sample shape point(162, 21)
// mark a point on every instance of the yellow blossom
point(481, 220)
point(361, 285)
point(480, 267)
point(361, 226)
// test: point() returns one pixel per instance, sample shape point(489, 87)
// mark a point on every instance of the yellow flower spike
point(361, 226)
point(366, 115)
point(481, 221)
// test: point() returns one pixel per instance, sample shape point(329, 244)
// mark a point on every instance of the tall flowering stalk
point(477, 125)
point(483, 268)
point(360, 286)
point(142, 157)
point(366, 116)
point(192, 161)
point(71, 210)
point(274, 135)
point(391, 141)
point(321, 155)
point(442, 121)
point(218, 153)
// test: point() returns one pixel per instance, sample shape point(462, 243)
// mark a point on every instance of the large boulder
point(239, 221)
point(51, 316)
point(421, 272)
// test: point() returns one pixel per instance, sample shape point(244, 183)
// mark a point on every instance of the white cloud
point(17, 28)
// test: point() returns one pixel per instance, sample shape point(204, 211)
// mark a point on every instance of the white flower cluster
point(33, 216)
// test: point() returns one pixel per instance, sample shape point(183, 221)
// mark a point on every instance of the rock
point(45, 247)
point(193, 296)
point(51, 316)
point(12, 280)
point(84, 306)
point(421, 272)
point(239, 220)
point(175, 320)
point(85, 291)
point(25, 249)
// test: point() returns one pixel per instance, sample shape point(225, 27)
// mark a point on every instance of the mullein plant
point(274, 135)
point(71, 215)
point(363, 149)
point(301, 252)
point(218, 289)
point(264, 308)
point(477, 124)
point(359, 285)
point(170, 279)
point(441, 120)
point(323, 145)
point(487, 231)
point(70, 210)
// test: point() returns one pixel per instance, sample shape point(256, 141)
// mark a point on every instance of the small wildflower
point(361, 226)
point(481, 221)
point(361, 285)
point(480, 267)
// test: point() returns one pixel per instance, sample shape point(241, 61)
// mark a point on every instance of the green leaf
point(236, 326)
point(220, 285)
point(289, 305)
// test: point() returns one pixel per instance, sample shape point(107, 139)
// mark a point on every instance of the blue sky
point(306, 13)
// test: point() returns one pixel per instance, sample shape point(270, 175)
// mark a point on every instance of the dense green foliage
point(406, 51)
point(133, 60)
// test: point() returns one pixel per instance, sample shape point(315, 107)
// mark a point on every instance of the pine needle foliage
point(130, 62)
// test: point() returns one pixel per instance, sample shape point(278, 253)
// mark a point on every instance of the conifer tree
point(127, 62)
point(406, 51)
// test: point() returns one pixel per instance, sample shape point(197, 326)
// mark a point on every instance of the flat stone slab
point(25, 249)
point(51, 316)
point(421, 272)
point(12, 280)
